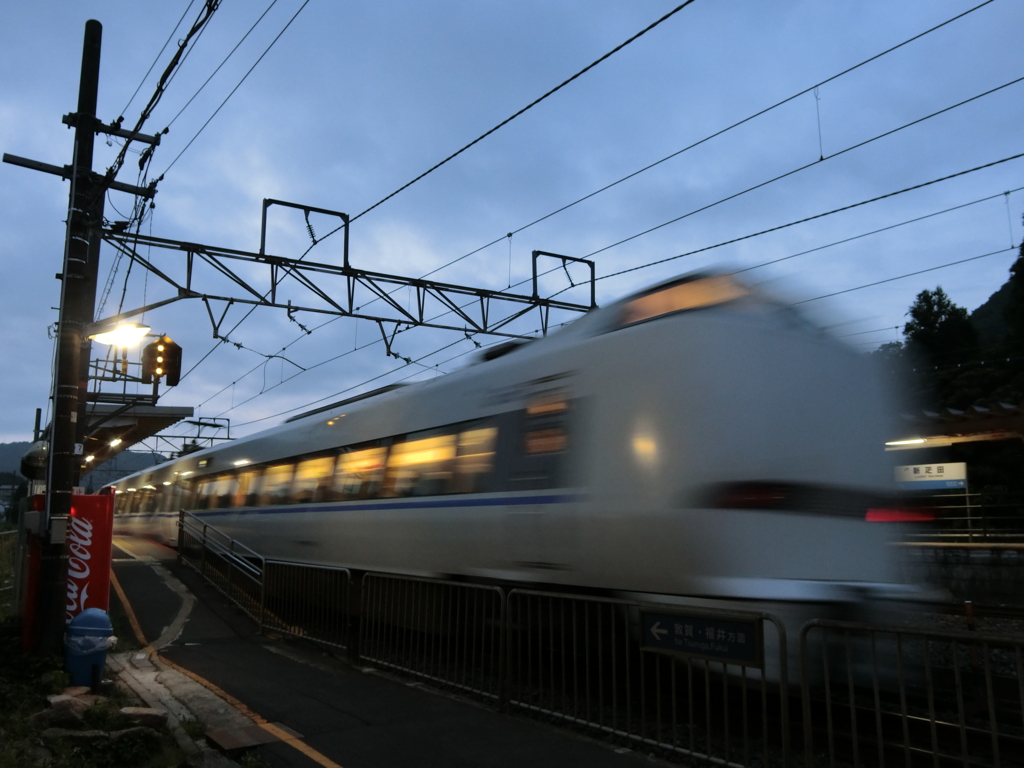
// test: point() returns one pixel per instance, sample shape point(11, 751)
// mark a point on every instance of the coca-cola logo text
point(79, 543)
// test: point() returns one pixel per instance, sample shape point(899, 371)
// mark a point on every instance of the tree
point(1014, 314)
point(940, 330)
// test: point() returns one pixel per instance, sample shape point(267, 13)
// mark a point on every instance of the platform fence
point(582, 661)
point(308, 601)
point(878, 696)
point(450, 633)
point(227, 564)
point(865, 695)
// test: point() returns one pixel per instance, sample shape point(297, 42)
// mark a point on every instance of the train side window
point(223, 492)
point(359, 473)
point(204, 498)
point(276, 485)
point(146, 501)
point(545, 441)
point(421, 466)
point(162, 498)
point(173, 494)
point(313, 480)
point(474, 459)
point(247, 482)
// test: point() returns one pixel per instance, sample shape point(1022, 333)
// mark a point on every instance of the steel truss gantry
point(474, 308)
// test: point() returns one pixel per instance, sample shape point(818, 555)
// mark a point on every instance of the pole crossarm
point(67, 172)
point(474, 307)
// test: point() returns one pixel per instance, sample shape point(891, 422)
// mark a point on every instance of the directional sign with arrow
point(731, 638)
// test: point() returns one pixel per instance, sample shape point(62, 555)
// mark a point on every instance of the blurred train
point(698, 440)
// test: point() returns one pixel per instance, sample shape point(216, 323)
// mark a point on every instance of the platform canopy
point(112, 428)
point(934, 429)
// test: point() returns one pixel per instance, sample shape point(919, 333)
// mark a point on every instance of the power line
point(685, 149)
point(529, 106)
point(161, 53)
point(909, 274)
point(805, 167)
point(652, 165)
point(213, 74)
point(876, 330)
point(875, 231)
point(745, 269)
point(209, 8)
point(244, 77)
point(354, 386)
point(712, 136)
point(812, 218)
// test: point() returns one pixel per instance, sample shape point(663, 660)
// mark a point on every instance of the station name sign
point(718, 637)
point(932, 476)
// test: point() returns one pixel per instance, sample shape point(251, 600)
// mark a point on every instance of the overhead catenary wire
point(851, 206)
point(721, 200)
point(225, 61)
point(233, 90)
point(209, 8)
point(805, 166)
point(751, 117)
point(711, 136)
point(528, 107)
point(908, 274)
point(744, 269)
point(161, 53)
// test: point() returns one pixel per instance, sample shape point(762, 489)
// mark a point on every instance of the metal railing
point(988, 517)
point(230, 566)
point(8, 571)
point(308, 601)
point(447, 632)
point(634, 672)
point(581, 661)
point(876, 696)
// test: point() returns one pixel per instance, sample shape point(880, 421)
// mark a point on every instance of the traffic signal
point(160, 359)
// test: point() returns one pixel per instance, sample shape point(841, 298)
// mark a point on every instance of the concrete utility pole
point(78, 292)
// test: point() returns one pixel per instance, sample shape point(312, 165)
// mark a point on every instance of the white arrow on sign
point(657, 631)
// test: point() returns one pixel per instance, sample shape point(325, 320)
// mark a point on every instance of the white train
point(697, 440)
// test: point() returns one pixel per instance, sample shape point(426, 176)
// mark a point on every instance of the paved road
point(357, 719)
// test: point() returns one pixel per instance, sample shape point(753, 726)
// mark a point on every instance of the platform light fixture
point(116, 442)
point(914, 441)
point(122, 335)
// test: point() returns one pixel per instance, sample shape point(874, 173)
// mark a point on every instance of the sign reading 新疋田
point(726, 638)
point(932, 476)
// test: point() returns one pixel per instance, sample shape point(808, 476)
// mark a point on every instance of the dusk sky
point(356, 99)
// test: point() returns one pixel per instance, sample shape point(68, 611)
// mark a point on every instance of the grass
point(26, 681)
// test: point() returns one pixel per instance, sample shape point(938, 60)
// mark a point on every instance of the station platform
point(313, 708)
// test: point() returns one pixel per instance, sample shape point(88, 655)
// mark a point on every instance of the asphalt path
point(357, 718)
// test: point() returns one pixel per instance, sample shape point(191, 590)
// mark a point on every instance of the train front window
point(421, 467)
point(678, 297)
point(359, 473)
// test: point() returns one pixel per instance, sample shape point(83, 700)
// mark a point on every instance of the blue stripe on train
point(441, 503)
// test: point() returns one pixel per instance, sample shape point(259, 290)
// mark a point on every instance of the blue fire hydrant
point(88, 637)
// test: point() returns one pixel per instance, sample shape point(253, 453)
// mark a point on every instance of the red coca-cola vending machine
point(89, 540)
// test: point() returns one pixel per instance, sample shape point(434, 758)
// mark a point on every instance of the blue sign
point(726, 638)
point(932, 485)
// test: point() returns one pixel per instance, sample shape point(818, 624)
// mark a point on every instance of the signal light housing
point(161, 359)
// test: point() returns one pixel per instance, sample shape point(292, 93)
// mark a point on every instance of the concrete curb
point(167, 689)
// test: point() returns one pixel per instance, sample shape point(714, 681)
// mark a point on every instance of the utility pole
point(70, 381)
point(78, 292)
